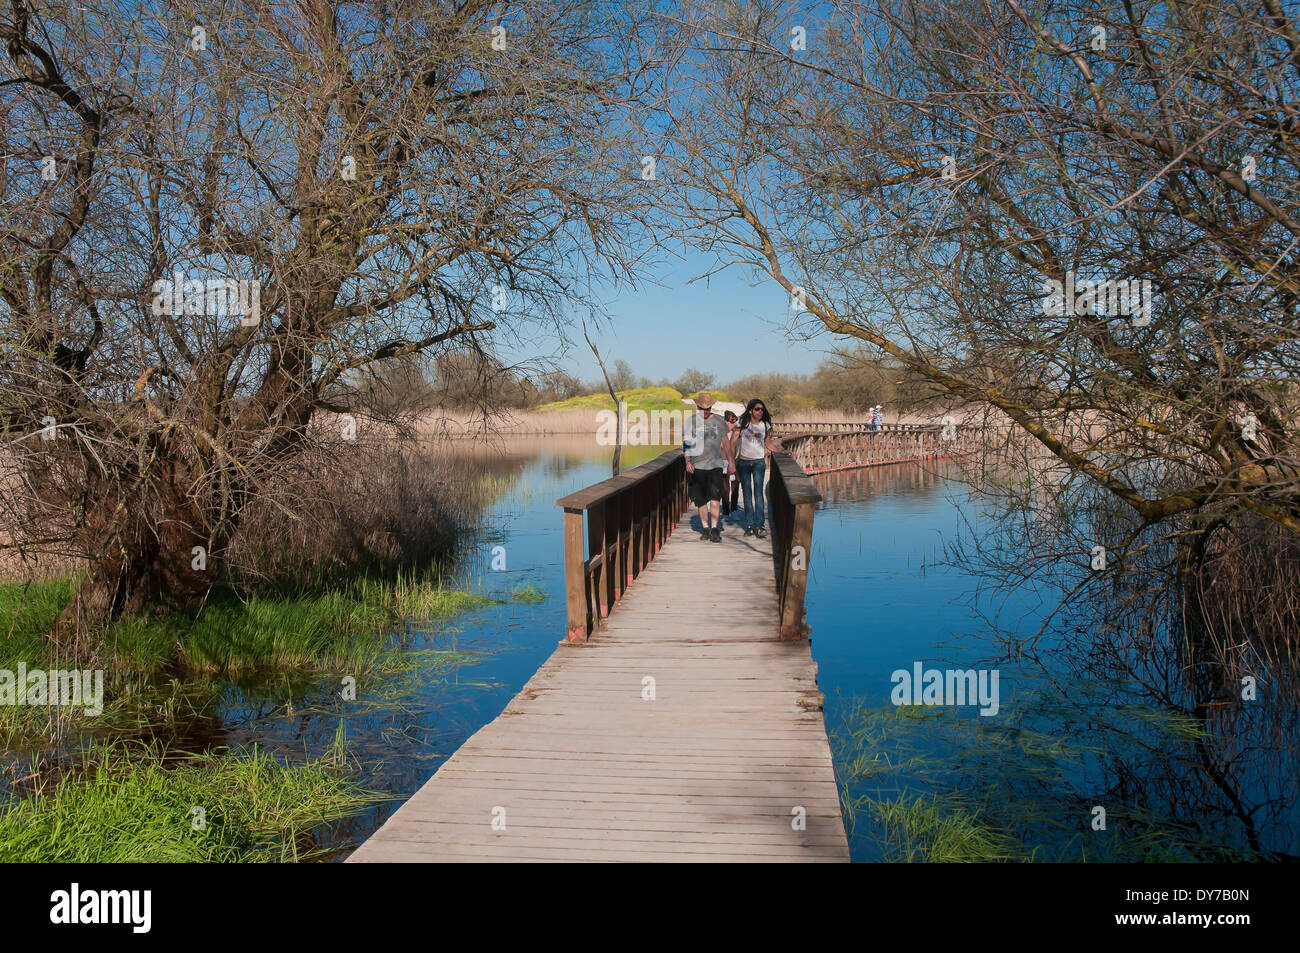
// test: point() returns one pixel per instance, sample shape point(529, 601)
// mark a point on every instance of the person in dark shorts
point(730, 481)
point(705, 438)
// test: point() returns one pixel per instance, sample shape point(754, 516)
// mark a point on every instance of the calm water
point(880, 599)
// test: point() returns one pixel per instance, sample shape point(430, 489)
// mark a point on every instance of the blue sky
point(729, 325)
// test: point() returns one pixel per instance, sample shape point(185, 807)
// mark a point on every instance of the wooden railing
point(801, 426)
point(794, 500)
point(628, 519)
point(806, 427)
point(820, 452)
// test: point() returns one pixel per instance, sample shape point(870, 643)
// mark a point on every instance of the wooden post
point(602, 597)
point(632, 511)
point(614, 533)
point(660, 516)
point(796, 580)
point(575, 579)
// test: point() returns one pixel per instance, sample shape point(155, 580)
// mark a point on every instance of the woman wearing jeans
point(752, 442)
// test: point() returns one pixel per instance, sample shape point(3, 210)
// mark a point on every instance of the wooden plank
point(416, 853)
point(592, 822)
point(601, 841)
point(587, 767)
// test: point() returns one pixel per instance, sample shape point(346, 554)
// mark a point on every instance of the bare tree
point(1081, 220)
point(935, 178)
point(215, 215)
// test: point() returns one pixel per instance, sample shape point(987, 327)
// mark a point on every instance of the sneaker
point(749, 531)
point(704, 536)
point(761, 533)
point(715, 535)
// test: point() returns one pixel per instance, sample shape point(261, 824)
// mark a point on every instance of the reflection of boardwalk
point(844, 486)
point(683, 729)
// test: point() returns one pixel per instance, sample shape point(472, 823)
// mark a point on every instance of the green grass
point(946, 788)
point(640, 398)
point(27, 611)
point(937, 832)
point(528, 593)
point(311, 631)
point(164, 667)
point(166, 670)
point(132, 806)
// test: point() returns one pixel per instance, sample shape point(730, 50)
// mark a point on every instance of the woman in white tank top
point(753, 442)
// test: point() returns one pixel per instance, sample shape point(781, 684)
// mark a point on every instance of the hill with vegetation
point(637, 398)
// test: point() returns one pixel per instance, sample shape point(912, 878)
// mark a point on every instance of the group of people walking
point(726, 456)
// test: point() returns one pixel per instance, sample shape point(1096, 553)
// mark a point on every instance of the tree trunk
point(144, 547)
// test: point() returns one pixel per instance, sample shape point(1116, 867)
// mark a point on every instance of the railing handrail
point(612, 529)
point(799, 486)
point(794, 502)
point(820, 451)
point(589, 496)
point(814, 427)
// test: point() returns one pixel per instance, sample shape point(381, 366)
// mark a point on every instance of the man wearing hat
point(705, 443)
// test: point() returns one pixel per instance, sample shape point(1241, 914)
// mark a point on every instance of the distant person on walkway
point(705, 443)
point(731, 482)
point(877, 419)
point(754, 440)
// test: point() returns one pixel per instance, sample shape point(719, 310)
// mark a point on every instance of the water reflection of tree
point(1144, 655)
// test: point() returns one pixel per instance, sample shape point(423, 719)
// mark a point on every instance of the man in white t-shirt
point(707, 447)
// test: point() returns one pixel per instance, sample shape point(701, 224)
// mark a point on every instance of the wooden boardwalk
point(683, 729)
